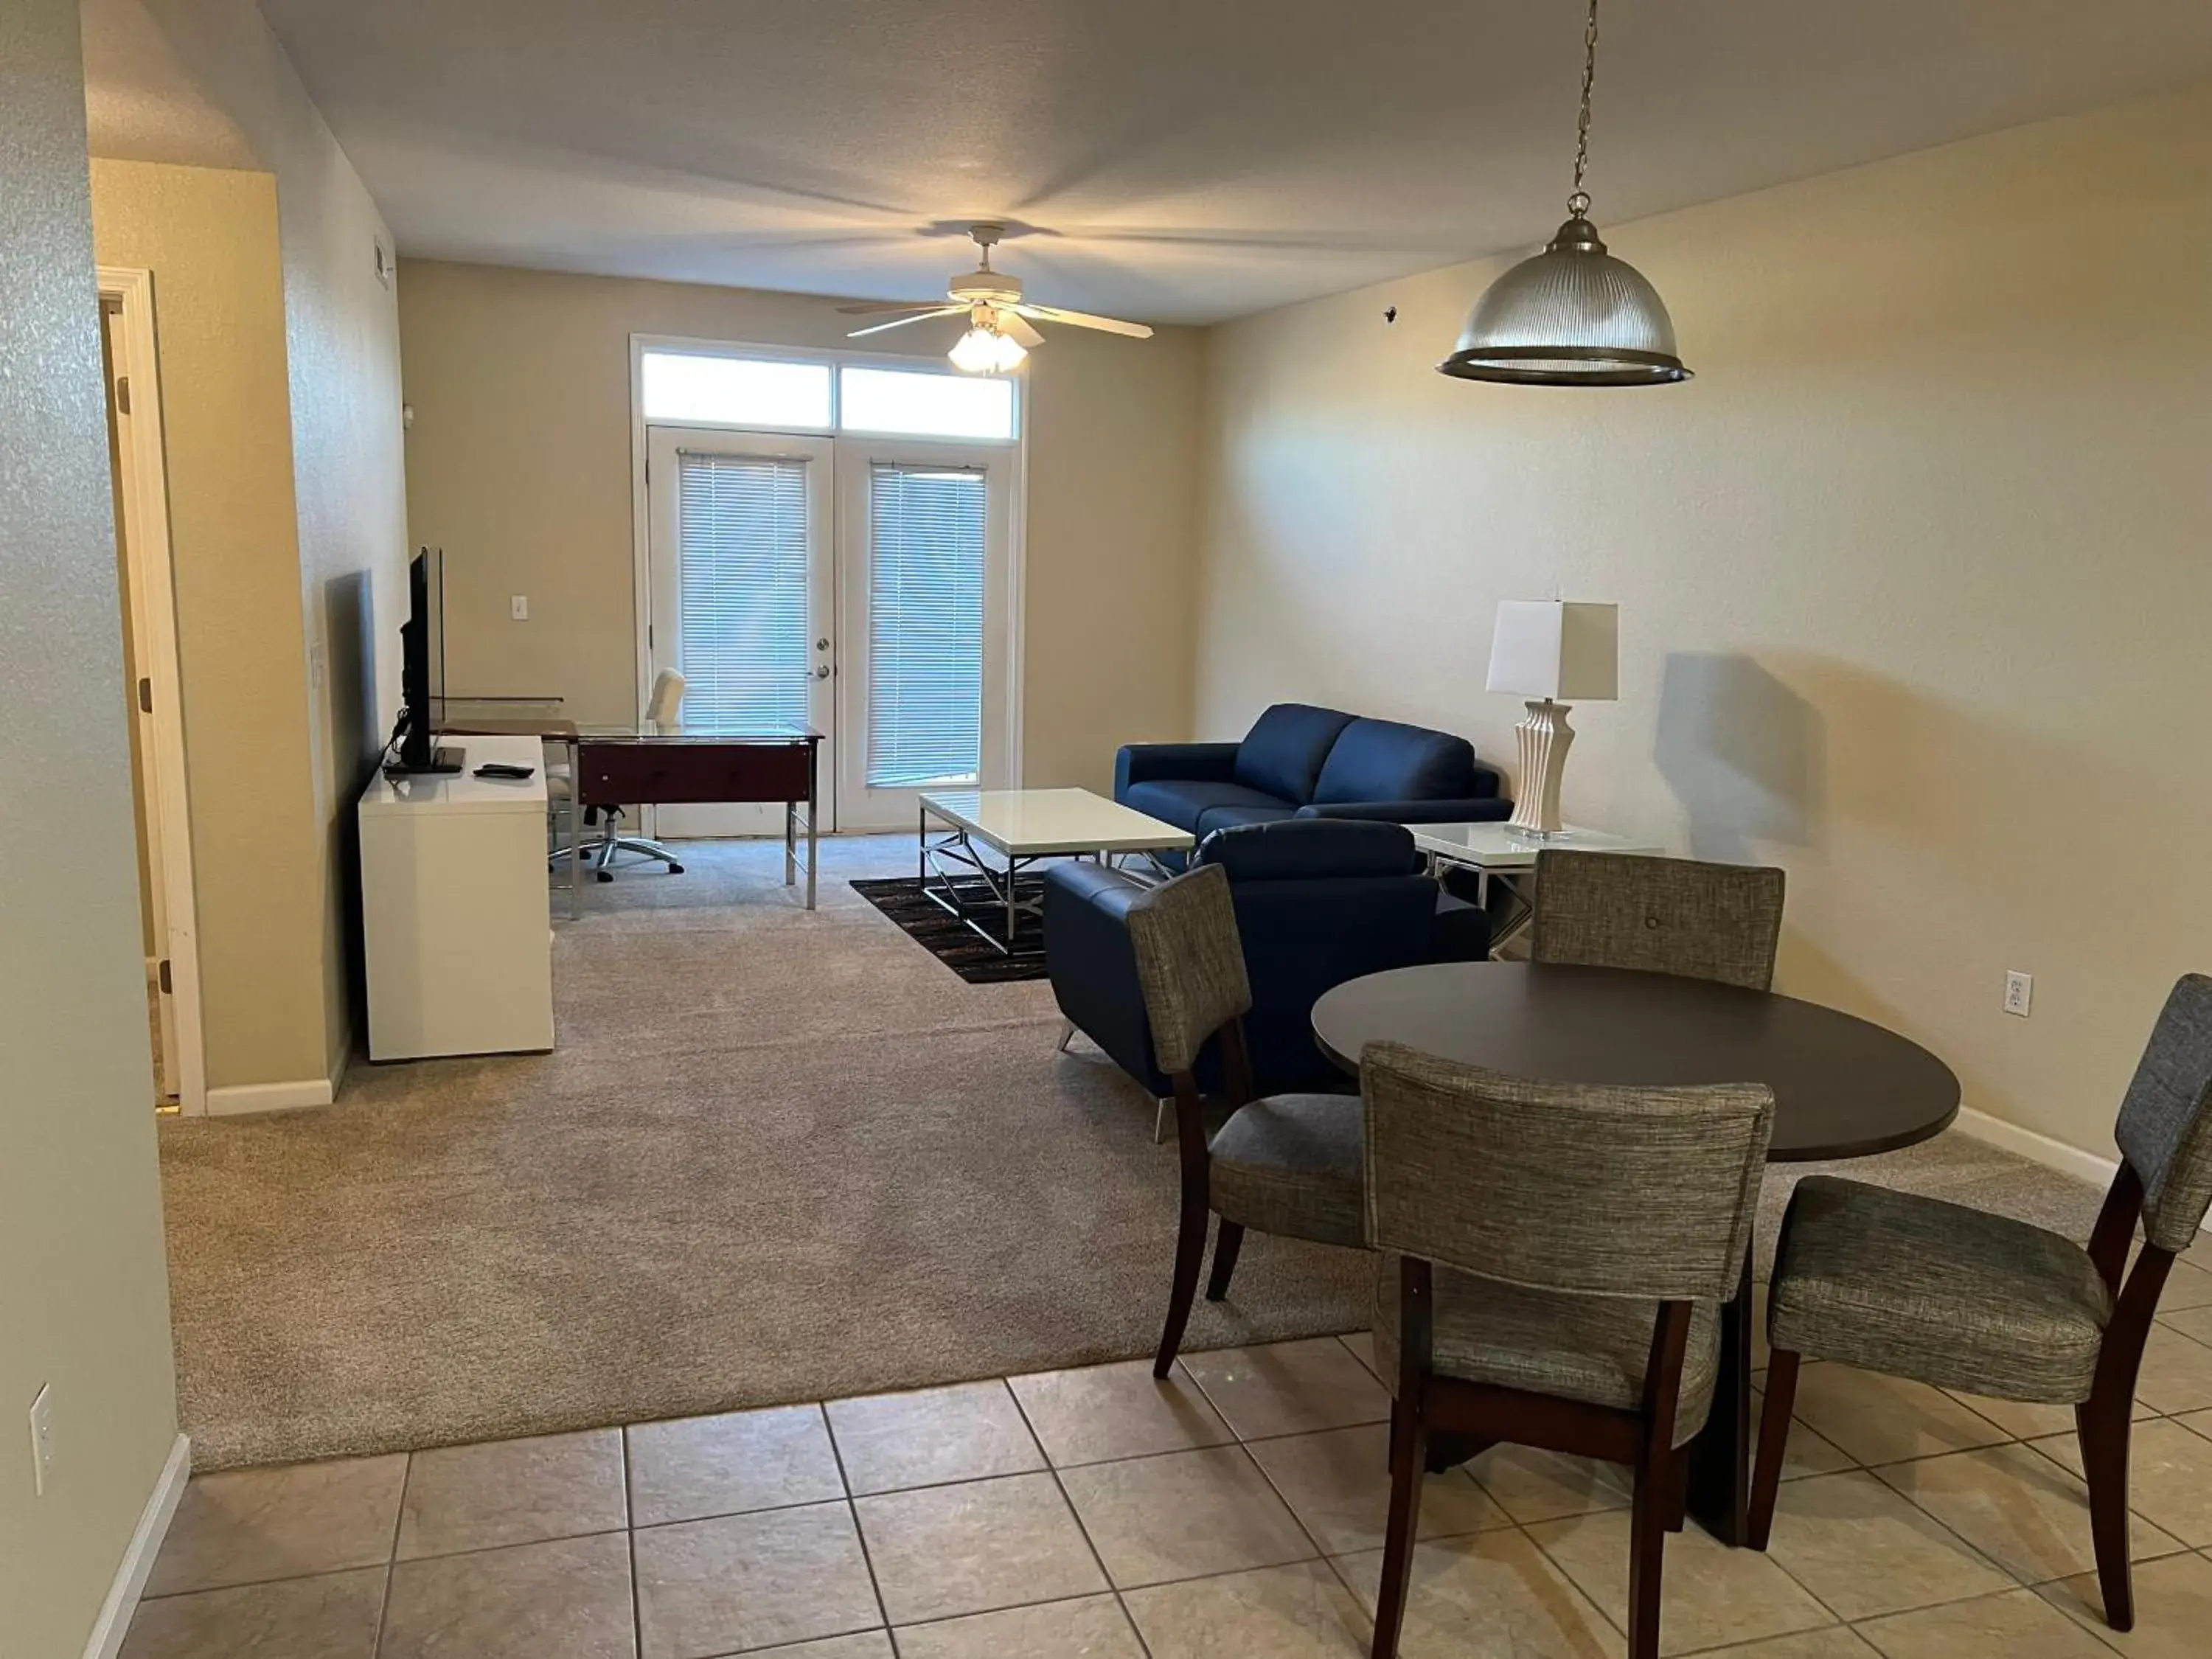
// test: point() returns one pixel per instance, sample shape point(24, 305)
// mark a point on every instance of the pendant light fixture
point(1573, 315)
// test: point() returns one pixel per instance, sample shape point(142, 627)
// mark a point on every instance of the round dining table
point(1843, 1087)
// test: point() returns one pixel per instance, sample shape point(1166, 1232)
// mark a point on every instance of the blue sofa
point(1302, 761)
point(1319, 901)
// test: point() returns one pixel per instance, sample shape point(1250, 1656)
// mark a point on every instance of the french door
point(856, 585)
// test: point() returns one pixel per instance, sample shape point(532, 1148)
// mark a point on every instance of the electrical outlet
point(42, 1441)
point(2020, 991)
point(518, 607)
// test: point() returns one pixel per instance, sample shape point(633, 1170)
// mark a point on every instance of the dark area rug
point(948, 938)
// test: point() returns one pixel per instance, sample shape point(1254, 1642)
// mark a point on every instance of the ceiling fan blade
point(1084, 319)
point(875, 309)
point(901, 322)
point(1019, 331)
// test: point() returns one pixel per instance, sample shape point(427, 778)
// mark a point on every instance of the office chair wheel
point(605, 875)
point(675, 869)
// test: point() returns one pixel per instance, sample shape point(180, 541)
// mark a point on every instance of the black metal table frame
point(982, 889)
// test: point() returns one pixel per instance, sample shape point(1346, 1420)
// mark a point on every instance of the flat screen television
point(423, 668)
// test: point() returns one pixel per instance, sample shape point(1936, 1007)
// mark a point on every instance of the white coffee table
point(1508, 858)
point(1021, 826)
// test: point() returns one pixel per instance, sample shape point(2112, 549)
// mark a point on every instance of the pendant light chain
point(1578, 204)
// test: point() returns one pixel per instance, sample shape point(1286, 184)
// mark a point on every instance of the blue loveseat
point(1302, 761)
point(1318, 901)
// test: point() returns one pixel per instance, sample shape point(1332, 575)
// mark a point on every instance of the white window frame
point(1016, 582)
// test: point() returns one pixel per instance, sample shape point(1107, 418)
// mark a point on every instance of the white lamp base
point(1545, 738)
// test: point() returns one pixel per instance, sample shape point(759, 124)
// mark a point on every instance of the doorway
point(146, 584)
point(859, 583)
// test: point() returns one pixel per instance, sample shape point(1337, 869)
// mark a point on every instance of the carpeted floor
point(776, 1156)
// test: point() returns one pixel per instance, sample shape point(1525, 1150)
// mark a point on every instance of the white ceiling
point(1178, 162)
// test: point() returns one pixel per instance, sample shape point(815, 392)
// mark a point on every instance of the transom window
point(703, 387)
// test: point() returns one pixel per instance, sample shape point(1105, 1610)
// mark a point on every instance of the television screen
point(422, 661)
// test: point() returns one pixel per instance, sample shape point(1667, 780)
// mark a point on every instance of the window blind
point(926, 574)
point(742, 575)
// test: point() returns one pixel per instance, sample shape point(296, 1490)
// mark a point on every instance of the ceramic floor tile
point(334, 1616)
point(513, 1491)
point(1864, 1549)
point(1290, 1388)
point(1102, 1412)
point(1302, 1611)
point(752, 1581)
point(1362, 1344)
point(733, 1464)
point(2029, 1420)
point(1491, 1592)
point(2173, 1608)
point(2019, 1508)
point(2019, 1625)
point(1338, 1484)
point(247, 1525)
point(2187, 1286)
point(970, 1432)
point(1540, 1486)
point(868, 1645)
point(1872, 1419)
point(2176, 1374)
point(1712, 1595)
point(942, 1552)
point(1094, 1627)
point(2192, 1322)
point(1836, 1642)
point(1807, 1453)
point(2169, 1476)
point(566, 1599)
point(1184, 1515)
point(2201, 1422)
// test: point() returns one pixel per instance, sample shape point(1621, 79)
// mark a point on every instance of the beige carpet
point(776, 1156)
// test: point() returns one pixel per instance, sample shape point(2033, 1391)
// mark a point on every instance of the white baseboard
point(270, 1097)
point(137, 1564)
point(2051, 1154)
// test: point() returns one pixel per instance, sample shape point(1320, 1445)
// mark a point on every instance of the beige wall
point(84, 1303)
point(1913, 577)
point(518, 465)
point(210, 236)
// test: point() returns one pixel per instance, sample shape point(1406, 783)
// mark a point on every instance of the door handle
point(822, 673)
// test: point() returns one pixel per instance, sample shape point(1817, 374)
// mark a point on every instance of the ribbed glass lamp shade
point(1573, 315)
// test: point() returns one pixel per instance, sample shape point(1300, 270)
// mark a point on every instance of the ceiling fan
point(998, 334)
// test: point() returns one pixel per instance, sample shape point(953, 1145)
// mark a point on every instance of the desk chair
point(662, 708)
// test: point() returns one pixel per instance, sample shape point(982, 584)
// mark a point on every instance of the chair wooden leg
point(1190, 1256)
point(1408, 1458)
point(1226, 1243)
point(1678, 1498)
point(1647, 1548)
point(1774, 1444)
point(2103, 1426)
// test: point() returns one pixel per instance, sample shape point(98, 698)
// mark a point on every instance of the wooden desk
point(671, 762)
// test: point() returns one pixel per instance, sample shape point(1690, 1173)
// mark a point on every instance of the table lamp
point(1546, 650)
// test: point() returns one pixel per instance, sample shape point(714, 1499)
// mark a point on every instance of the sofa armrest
point(1479, 809)
point(1093, 967)
point(1147, 762)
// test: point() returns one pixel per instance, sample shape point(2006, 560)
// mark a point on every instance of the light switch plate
point(518, 607)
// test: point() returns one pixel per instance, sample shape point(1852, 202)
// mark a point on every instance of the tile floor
point(1236, 1511)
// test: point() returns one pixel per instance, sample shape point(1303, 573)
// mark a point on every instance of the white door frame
point(149, 562)
point(666, 445)
point(863, 808)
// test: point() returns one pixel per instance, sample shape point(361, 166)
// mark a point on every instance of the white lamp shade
point(1561, 650)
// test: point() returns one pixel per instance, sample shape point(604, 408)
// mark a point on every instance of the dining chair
point(1554, 1259)
point(1717, 921)
point(1944, 1294)
point(1287, 1164)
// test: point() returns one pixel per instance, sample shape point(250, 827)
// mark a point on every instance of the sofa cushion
point(1237, 818)
point(1296, 849)
point(1383, 760)
point(1181, 801)
point(1283, 753)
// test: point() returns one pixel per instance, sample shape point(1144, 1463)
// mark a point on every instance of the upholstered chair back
point(2164, 1129)
point(667, 699)
point(1190, 964)
point(1717, 921)
point(1585, 1189)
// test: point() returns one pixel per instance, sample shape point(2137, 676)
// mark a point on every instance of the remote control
point(501, 769)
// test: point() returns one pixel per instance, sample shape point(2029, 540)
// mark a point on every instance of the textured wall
point(1913, 577)
point(210, 237)
point(84, 1300)
point(518, 465)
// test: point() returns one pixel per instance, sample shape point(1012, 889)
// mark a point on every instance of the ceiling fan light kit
point(1573, 315)
point(999, 333)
